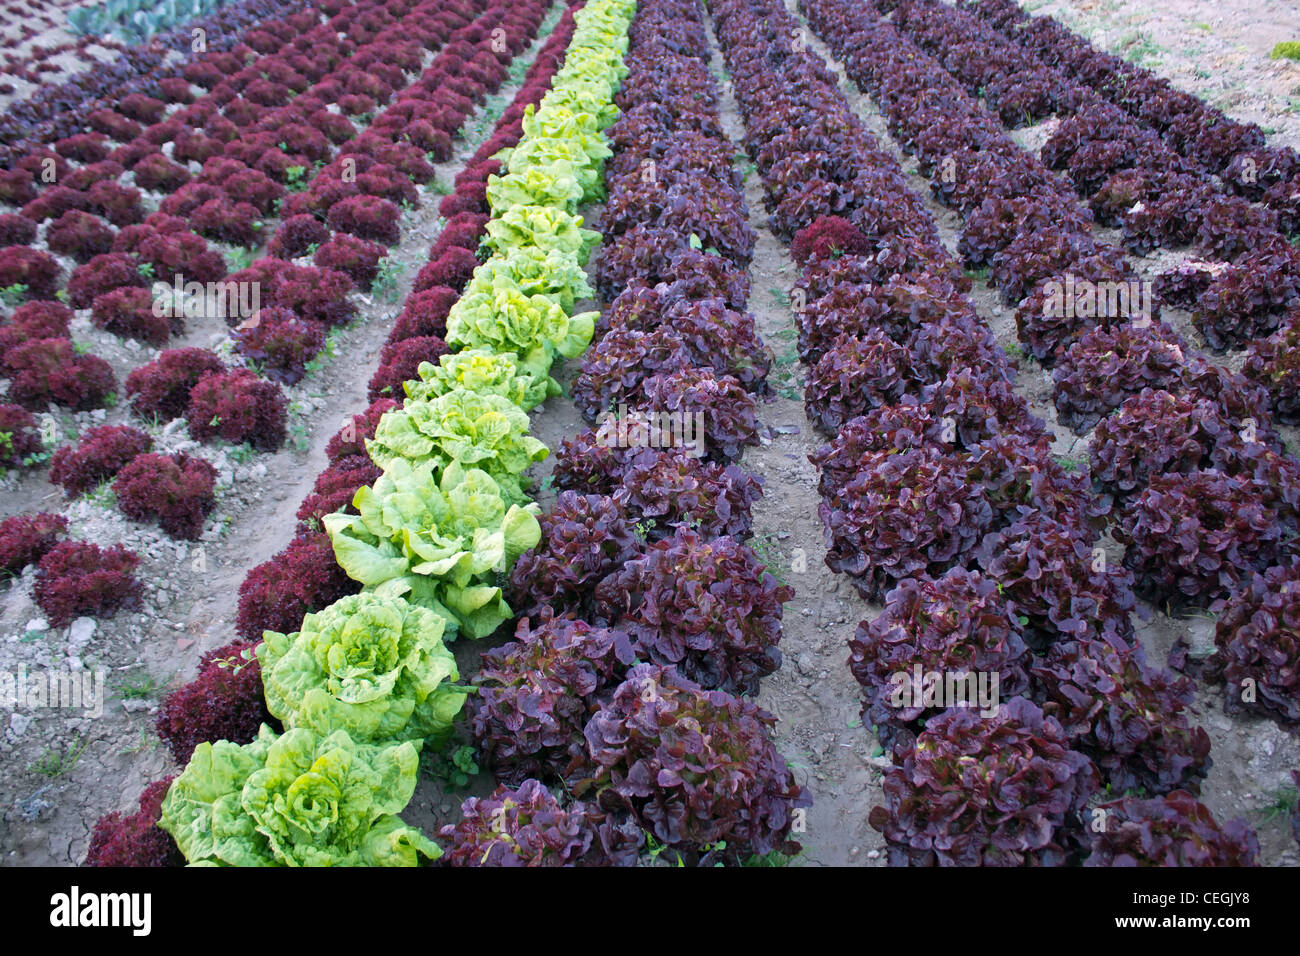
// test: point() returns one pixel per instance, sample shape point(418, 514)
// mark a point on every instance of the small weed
point(145, 743)
point(13, 295)
point(55, 762)
point(1290, 49)
point(1284, 800)
point(139, 688)
point(765, 547)
point(328, 352)
point(654, 848)
point(453, 765)
point(299, 430)
point(384, 288)
point(1139, 49)
point(29, 461)
point(239, 258)
point(242, 454)
point(237, 662)
point(102, 496)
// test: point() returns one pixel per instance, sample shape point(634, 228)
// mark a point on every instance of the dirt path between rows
point(813, 695)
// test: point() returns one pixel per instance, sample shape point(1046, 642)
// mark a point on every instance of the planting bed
point(582, 415)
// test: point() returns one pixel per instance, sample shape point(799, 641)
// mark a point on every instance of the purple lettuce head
point(1004, 791)
point(528, 827)
point(1173, 830)
point(705, 605)
point(696, 768)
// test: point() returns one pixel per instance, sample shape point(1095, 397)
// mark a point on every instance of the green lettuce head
point(555, 184)
point(375, 667)
point(532, 326)
point(546, 230)
point(533, 270)
point(559, 134)
point(476, 429)
point(299, 799)
point(438, 542)
point(484, 373)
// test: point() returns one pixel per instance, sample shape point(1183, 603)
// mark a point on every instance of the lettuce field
point(661, 433)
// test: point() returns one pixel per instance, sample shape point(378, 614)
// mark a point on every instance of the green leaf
point(373, 666)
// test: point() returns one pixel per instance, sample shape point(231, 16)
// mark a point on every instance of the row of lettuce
point(941, 499)
point(54, 109)
point(649, 621)
point(298, 302)
point(270, 146)
point(1185, 459)
point(227, 701)
point(322, 128)
point(367, 679)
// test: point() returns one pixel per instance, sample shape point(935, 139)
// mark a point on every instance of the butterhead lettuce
point(534, 327)
point(477, 429)
point(439, 542)
point(375, 667)
point(297, 799)
point(482, 372)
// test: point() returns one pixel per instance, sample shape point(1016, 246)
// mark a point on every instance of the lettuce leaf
point(532, 326)
point(481, 430)
point(297, 799)
point(485, 373)
point(375, 667)
point(523, 229)
point(438, 542)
